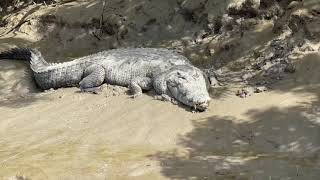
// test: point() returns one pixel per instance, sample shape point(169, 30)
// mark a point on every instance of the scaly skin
point(171, 75)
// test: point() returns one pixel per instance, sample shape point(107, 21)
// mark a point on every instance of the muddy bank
point(247, 44)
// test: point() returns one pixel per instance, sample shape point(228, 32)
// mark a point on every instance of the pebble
point(243, 93)
point(260, 89)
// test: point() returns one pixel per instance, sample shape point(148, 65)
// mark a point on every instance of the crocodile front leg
point(138, 84)
point(94, 77)
point(165, 97)
point(160, 86)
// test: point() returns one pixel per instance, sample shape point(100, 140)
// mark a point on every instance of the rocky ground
point(263, 122)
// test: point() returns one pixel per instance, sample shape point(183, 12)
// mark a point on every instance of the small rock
point(19, 177)
point(49, 90)
point(306, 48)
point(199, 36)
point(244, 92)
point(244, 7)
point(214, 82)
point(294, 4)
point(265, 65)
point(211, 51)
point(260, 89)
point(247, 76)
point(227, 22)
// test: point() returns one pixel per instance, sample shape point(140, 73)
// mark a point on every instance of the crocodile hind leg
point(138, 84)
point(94, 77)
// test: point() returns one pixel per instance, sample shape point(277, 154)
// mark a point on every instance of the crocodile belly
point(122, 77)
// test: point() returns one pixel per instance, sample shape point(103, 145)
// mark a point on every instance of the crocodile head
point(189, 85)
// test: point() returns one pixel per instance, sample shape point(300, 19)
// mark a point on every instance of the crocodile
point(170, 74)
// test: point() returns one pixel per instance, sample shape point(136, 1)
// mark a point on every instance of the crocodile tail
point(32, 55)
point(17, 53)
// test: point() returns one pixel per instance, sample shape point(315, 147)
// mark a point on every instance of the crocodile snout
point(202, 106)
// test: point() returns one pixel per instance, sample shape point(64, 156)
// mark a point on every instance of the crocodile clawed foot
point(135, 95)
point(175, 102)
point(93, 90)
point(164, 97)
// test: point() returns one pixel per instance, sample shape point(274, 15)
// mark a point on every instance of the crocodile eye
point(182, 77)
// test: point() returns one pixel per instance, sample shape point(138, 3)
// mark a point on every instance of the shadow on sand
point(273, 143)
